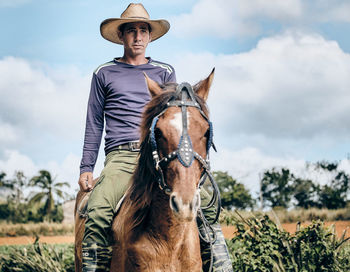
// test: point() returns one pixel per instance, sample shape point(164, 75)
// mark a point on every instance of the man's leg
point(217, 252)
point(111, 186)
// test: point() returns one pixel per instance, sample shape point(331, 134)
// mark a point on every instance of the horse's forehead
point(176, 122)
point(172, 119)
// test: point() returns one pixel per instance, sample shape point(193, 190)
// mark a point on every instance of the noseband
point(184, 98)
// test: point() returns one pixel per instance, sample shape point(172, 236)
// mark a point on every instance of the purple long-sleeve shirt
point(118, 95)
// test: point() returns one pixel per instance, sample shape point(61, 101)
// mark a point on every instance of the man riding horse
point(118, 96)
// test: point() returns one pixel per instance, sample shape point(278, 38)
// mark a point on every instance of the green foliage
point(315, 248)
point(260, 246)
point(37, 257)
point(334, 196)
point(292, 216)
point(4, 211)
point(233, 194)
point(36, 229)
point(47, 190)
point(276, 187)
point(305, 193)
point(3, 182)
point(22, 213)
point(42, 206)
point(279, 186)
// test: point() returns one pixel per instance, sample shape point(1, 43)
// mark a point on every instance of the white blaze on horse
point(155, 228)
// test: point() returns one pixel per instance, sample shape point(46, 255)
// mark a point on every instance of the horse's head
point(180, 136)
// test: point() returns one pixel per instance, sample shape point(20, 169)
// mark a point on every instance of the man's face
point(135, 37)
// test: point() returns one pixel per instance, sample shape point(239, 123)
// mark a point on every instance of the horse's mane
point(144, 180)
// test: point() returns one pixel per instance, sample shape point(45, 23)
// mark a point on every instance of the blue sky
point(280, 96)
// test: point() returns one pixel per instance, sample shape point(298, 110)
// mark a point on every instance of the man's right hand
point(85, 181)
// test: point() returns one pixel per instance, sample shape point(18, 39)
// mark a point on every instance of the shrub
point(36, 229)
point(259, 245)
point(38, 257)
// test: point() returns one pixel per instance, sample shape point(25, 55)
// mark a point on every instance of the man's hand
point(85, 181)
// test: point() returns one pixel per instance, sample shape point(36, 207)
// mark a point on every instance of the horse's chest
point(147, 257)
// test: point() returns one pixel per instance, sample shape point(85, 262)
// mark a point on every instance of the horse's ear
point(153, 86)
point(204, 86)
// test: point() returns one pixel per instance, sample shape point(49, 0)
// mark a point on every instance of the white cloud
point(15, 161)
point(66, 170)
point(327, 10)
point(37, 99)
point(41, 106)
point(8, 133)
point(291, 86)
point(227, 18)
point(234, 18)
point(340, 13)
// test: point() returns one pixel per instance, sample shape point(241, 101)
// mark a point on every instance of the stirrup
point(96, 258)
point(214, 251)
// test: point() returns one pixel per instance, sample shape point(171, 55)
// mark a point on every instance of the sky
point(280, 96)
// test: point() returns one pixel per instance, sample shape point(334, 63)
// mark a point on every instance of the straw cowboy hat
point(133, 13)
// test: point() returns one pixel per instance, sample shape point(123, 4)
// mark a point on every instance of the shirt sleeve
point(171, 77)
point(94, 125)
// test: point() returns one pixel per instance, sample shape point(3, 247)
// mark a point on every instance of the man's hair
point(123, 26)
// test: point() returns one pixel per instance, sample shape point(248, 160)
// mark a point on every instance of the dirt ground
point(23, 240)
point(228, 231)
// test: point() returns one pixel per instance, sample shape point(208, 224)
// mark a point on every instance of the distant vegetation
point(36, 199)
point(295, 215)
point(280, 188)
point(35, 229)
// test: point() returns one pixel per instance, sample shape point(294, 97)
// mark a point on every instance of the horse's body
point(155, 229)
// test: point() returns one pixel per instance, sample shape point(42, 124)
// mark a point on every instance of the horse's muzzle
point(184, 210)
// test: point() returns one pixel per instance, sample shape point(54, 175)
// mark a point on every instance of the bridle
point(184, 97)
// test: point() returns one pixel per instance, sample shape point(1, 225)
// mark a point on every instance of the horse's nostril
point(174, 204)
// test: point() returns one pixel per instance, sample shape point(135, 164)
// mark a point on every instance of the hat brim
point(109, 28)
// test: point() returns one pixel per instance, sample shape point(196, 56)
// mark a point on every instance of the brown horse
point(155, 228)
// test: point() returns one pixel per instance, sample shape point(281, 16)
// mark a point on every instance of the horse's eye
point(158, 133)
point(207, 133)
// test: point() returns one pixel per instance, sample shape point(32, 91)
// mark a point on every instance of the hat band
point(136, 17)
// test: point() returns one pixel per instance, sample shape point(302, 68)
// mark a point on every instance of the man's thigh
point(114, 179)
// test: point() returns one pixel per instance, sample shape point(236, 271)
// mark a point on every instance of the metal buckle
point(134, 146)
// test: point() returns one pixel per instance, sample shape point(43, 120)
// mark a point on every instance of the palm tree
point(49, 189)
point(4, 184)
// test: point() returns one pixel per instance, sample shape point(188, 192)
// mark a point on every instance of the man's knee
point(98, 225)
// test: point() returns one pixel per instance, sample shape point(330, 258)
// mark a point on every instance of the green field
point(259, 245)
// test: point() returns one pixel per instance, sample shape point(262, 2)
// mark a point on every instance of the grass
point(37, 257)
point(299, 215)
point(259, 245)
point(35, 229)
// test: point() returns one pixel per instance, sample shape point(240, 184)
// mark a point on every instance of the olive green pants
point(110, 188)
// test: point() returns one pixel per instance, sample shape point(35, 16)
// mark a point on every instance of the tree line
point(35, 199)
point(279, 187)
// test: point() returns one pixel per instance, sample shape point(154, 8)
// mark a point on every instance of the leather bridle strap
point(184, 98)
